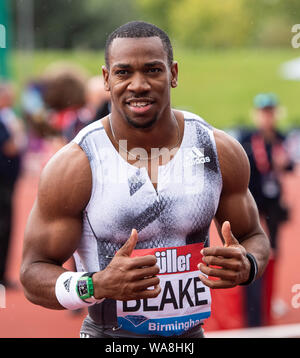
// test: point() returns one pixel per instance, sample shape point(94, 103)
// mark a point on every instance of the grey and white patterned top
point(178, 212)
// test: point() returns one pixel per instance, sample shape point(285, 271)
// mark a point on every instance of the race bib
point(184, 301)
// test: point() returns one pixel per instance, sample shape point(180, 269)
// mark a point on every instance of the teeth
point(139, 104)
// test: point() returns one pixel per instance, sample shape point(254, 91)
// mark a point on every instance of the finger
point(221, 273)
point(216, 283)
point(227, 252)
point(128, 247)
point(227, 235)
point(228, 263)
point(146, 272)
point(142, 261)
point(146, 284)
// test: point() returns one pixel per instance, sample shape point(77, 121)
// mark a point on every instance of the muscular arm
point(53, 232)
point(54, 226)
point(238, 207)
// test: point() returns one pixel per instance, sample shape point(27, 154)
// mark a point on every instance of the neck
point(165, 132)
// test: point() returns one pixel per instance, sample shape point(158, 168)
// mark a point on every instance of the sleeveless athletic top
point(176, 215)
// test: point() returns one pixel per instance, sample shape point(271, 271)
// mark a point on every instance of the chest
point(163, 202)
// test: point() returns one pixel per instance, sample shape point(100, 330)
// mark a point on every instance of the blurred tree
point(271, 21)
point(194, 23)
point(217, 23)
point(210, 23)
point(76, 23)
point(290, 8)
point(156, 11)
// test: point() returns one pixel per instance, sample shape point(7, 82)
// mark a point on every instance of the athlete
point(132, 197)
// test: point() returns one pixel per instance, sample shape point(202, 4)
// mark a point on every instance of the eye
point(154, 70)
point(121, 72)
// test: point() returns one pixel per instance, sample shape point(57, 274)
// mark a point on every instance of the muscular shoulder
point(65, 183)
point(234, 163)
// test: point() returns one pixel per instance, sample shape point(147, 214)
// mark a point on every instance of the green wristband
point(84, 286)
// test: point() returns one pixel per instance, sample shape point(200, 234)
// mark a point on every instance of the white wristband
point(66, 292)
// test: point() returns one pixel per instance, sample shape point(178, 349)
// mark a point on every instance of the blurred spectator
point(98, 100)
point(34, 110)
point(268, 159)
point(14, 125)
point(40, 132)
point(293, 144)
point(64, 101)
point(12, 145)
point(65, 96)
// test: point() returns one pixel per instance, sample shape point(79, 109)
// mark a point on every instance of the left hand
point(234, 266)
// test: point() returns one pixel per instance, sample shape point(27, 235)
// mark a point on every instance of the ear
point(105, 74)
point(174, 74)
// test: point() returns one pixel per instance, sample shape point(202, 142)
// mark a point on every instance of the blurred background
point(51, 53)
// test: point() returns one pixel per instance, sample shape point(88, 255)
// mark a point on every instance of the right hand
point(128, 278)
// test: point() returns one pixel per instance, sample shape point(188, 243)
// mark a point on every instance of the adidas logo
point(67, 284)
point(195, 156)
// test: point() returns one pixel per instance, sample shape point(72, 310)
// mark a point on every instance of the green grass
point(217, 85)
point(220, 86)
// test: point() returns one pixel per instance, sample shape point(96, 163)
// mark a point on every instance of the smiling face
point(139, 79)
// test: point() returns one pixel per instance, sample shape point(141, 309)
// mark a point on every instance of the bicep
point(54, 226)
point(240, 210)
point(236, 201)
point(51, 240)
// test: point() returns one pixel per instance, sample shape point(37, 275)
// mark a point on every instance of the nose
point(139, 83)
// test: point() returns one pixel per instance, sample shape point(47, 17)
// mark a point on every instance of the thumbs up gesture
point(228, 265)
point(128, 247)
point(128, 278)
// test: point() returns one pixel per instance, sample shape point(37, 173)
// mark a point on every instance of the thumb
point(227, 235)
point(128, 247)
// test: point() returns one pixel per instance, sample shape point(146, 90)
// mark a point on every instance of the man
point(269, 160)
point(134, 195)
point(12, 142)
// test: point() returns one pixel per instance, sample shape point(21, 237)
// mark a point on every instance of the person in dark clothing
point(12, 144)
point(9, 170)
point(268, 161)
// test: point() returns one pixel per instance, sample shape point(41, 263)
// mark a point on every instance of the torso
point(172, 211)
